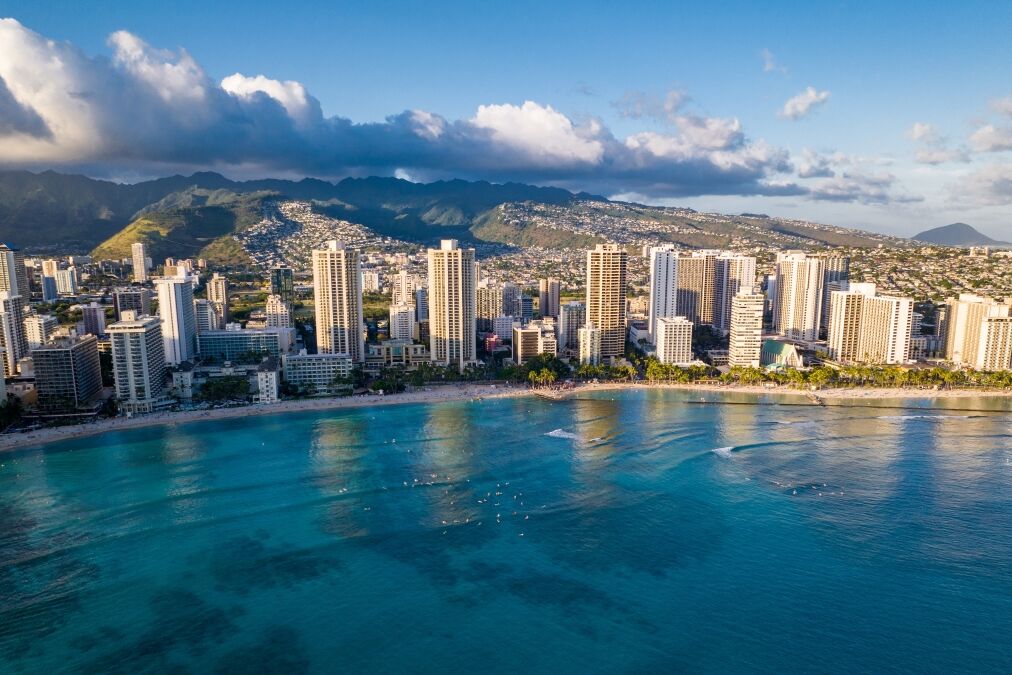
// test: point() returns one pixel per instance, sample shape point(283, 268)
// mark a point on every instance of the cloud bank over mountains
point(145, 110)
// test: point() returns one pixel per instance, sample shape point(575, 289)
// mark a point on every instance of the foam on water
point(723, 452)
point(561, 433)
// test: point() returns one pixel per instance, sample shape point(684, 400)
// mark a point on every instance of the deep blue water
point(635, 532)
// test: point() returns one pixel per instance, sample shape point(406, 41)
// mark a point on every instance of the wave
point(723, 452)
point(561, 433)
point(927, 417)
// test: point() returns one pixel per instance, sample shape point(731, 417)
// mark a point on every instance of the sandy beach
point(460, 392)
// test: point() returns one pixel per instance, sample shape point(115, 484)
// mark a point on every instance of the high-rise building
point(217, 295)
point(402, 290)
point(731, 273)
point(572, 316)
point(696, 286)
point(869, 328)
point(13, 345)
point(66, 281)
point(422, 305)
point(663, 285)
point(746, 329)
point(511, 300)
point(93, 318)
point(179, 321)
point(548, 297)
point(537, 337)
point(798, 305)
point(206, 316)
point(283, 283)
point(136, 300)
point(138, 362)
point(402, 321)
point(526, 308)
point(674, 340)
point(452, 320)
point(589, 337)
point(50, 267)
point(39, 328)
point(994, 351)
point(13, 274)
point(67, 373)
point(338, 296)
point(488, 304)
point(836, 269)
point(964, 319)
point(885, 330)
point(607, 268)
point(49, 292)
point(371, 281)
point(278, 313)
point(139, 255)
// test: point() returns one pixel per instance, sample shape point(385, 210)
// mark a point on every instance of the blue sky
point(607, 69)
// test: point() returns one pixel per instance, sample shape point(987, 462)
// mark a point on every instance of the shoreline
point(465, 391)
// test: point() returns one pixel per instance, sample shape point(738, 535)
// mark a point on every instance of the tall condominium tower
point(179, 321)
point(798, 303)
point(548, 297)
point(138, 362)
point(746, 329)
point(93, 318)
point(845, 309)
point(967, 329)
point(663, 285)
point(402, 321)
point(13, 344)
point(13, 273)
point(836, 270)
point(994, 351)
point(511, 300)
point(607, 267)
point(39, 328)
point(452, 320)
point(283, 283)
point(488, 303)
point(68, 374)
point(572, 317)
point(869, 328)
point(139, 255)
point(278, 312)
point(674, 340)
point(589, 337)
point(337, 290)
point(731, 273)
point(217, 295)
point(137, 300)
point(402, 289)
point(696, 286)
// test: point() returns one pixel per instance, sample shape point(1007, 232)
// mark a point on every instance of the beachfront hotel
point(452, 311)
point(746, 330)
point(537, 337)
point(590, 345)
point(663, 286)
point(572, 316)
point(337, 291)
point(868, 328)
point(217, 295)
point(68, 375)
point(607, 267)
point(179, 321)
point(973, 327)
point(13, 344)
point(139, 255)
point(797, 306)
point(138, 362)
point(731, 273)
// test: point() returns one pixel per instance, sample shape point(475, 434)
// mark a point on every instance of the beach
point(467, 391)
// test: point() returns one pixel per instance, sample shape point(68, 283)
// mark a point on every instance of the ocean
point(642, 531)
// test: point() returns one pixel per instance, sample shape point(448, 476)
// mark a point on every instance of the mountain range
point(197, 215)
point(958, 234)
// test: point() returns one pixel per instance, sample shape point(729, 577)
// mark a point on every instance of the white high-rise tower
point(452, 311)
point(337, 288)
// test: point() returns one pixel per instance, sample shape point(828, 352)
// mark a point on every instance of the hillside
point(958, 234)
point(199, 230)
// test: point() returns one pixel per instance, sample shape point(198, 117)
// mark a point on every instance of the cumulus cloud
point(1003, 105)
point(152, 110)
point(990, 138)
point(924, 132)
point(814, 165)
point(861, 187)
point(639, 105)
point(990, 185)
point(801, 105)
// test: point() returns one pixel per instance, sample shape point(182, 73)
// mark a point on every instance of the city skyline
point(840, 115)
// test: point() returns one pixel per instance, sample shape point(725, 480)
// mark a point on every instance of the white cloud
point(540, 132)
point(990, 138)
point(941, 155)
point(924, 132)
point(990, 185)
point(1003, 105)
point(639, 105)
point(290, 94)
point(770, 62)
point(801, 105)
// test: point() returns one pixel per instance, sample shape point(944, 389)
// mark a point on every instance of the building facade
point(746, 328)
point(338, 296)
point(607, 270)
point(179, 321)
point(138, 361)
point(452, 308)
point(68, 375)
point(674, 340)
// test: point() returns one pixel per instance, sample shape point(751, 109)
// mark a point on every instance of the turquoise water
point(636, 532)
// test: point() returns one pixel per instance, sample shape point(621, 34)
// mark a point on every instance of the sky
point(895, 117)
